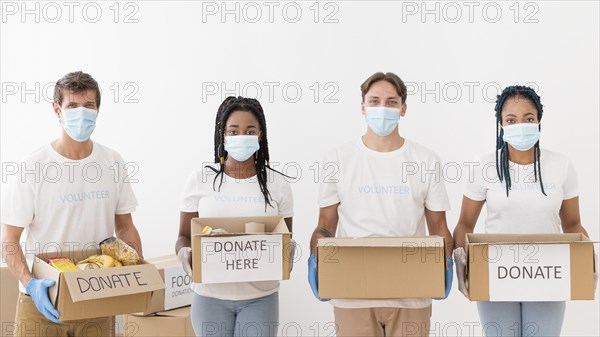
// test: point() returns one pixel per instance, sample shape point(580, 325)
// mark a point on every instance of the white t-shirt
point(235, 198)
point(382, 194)
point(526, 210)
point(66, 204)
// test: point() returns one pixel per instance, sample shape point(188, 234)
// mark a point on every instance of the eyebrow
point(391, 97)
point(237, 126)
point(513, 115)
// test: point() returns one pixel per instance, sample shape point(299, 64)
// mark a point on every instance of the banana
point(104, 261)
point(117, 263)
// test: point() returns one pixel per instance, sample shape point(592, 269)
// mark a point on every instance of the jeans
point(247, 318)
point(521, 319)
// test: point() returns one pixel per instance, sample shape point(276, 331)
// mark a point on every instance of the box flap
point(413, 241)
point(42, 270)
point(110, 282)
point(281, 227)
point(166, 261)
point(473, 238)
point(179, 312)
point(236, 225)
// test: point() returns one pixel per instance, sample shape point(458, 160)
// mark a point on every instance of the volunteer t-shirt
point(66, 204)
point(382, 194)
point(235, 198)
point(526, 210)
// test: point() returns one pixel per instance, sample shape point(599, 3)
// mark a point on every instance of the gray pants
point(221, 318)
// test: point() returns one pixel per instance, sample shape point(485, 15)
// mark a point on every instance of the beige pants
point(382, 322)
point(30, 322)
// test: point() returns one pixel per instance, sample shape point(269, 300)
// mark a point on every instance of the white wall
point(170, 60)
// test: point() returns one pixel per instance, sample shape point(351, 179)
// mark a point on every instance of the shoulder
point(107, 152)
point(420, 152)
point(204, 174)
point(275, 177)
point(344, 150)
point(552, 156)
point(40, 155)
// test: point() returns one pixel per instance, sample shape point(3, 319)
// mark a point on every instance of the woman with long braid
point(243, 185)
point(518, 201)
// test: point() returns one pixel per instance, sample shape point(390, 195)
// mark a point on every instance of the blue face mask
point(241, 147)
point(79, 123)
point(382, 120)
point(522, 136)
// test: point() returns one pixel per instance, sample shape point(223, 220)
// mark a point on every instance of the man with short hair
point(372, 195)
point(70, 194)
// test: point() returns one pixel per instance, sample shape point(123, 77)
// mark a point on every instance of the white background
point(175, 50)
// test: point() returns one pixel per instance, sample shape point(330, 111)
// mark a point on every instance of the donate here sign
point(243, 258)
point(529, 272)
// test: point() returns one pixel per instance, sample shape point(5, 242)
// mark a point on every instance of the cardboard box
point(173, 323)
point(381, 268)
point(9, 294)
point(238, 256)
point(177, 292)
point(532, 267)
point(98, 292)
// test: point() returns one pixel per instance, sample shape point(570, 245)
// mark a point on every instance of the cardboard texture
point(529, 267)
point(98, 292)
point(174, 323)
point(177, 292)
point(249, 264)
point(9, 294)
point(381, 268)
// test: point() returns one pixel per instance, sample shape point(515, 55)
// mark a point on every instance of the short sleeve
point(570, 187)
point(191, 194)
point(286, 200)
point(126, 200)
point(18, 200)
point(475, 189)
point(437, 197)
point(328, 188)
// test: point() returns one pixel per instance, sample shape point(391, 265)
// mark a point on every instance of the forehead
point(382, 88)
point(241, 117)
point(518, 105)
point(80, 96)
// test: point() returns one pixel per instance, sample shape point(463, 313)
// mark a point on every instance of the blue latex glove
point(38, 290)
point(449, 276)
point(312, 277)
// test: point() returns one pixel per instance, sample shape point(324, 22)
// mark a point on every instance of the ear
point(363, 109)
point(259, 136)
point(403, 110)
point(56, 109)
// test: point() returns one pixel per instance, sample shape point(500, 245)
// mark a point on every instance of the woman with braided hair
point(527, 190)
point(243, 184)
